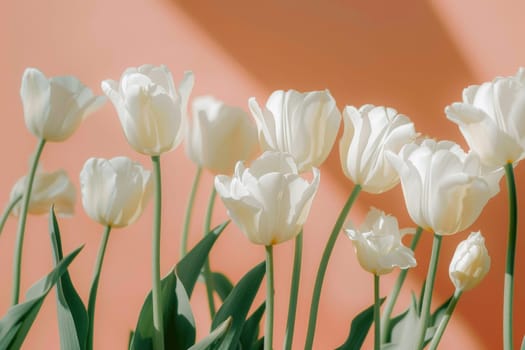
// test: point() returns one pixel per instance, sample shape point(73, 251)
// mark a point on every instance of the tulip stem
point(324, 264)
point(17, 266)
point(8, 211)
point(268, 328)
point(294, 291)
point(206, 272)
point(158, 322)
point(429, 288)
point(444, 320)
point(189, 211)
point(511, 252)
point(94, 287)
point(392, 299)
point(377, 316)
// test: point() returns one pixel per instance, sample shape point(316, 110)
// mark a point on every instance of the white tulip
point(378, 244)
point(470, 263)
point(304, 125)
point(369, 133)
point(48, 189)
point(219, 135)
point(55, 107)
point(444, 188)
point(268, 201)
point(115, 191)
point(151, 109)
point(492, 119)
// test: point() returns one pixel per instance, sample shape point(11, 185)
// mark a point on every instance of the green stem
point(429, 288)
point(392, 299)
point(377, 316)
point(189, 210)
point(208, 280)
point(158, 322)
point(268, 327)
point(17, 266)
point(294, 291)
point(444, 320)
point(324, 264)
point(508, 295)
point(94, 287)
point(8, 211)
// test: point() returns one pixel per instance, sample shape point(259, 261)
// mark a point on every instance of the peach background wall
point(415, 56)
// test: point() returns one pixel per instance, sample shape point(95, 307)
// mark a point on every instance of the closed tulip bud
point(491, 119)
point(378, 244)
point(49, 189)
point(55, 107)
point(151, 109)
point(219, 135)
point(268, 201)
point(470, 263)
point(369, 133)
point(304, 125)
point(114, 191)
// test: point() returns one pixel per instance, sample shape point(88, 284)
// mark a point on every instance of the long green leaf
point(250, 330)
point(207, 342)
point(222, 285)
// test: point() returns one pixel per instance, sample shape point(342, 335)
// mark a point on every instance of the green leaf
point(523, 344)
point(72, 315)
point(237, 305)
point(402, 333)
point(190, 267)
point(213, 337)
point(179, 325)
point(434, 320)
point(222, 285)
point(15, 325)
point(250, 330)
point(359, 329)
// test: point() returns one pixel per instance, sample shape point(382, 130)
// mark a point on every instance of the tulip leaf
point(72, 315)
point(222, 285)
point(523, 344)
point(213, 337)
point(435, 319)
point(179, 325)
point(190, 267)
point(402, 333)
point(15, 325)
point(359, 329)
point(237, 305)
point(250, 330)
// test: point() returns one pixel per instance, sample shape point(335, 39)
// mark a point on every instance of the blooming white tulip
point(444, 188)
point(151, 109)
point(492, 119)
point(302, 124)
point(369, 133)
point(48, 189)
point(55, 107)
point(268, 201)
point(219, 135)
point(114, 191)
point(378, 243)
point(470, 263)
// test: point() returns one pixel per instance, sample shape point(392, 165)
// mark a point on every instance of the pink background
point(415, 56)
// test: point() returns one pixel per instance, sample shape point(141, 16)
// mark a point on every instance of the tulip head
point(470, 263)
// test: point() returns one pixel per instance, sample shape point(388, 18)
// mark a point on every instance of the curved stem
point(268, 328)
point(8, 211)
point(324, 264)
point(377, 312)
point(158, 322)
point(17, 266)
point(429, 288)
point(294, 291)
point(508, 295)
point(189, 210)
point(208, 280)
point(444, 321)
point(392, 299)
point(94, 287)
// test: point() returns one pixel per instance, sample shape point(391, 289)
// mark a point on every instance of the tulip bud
point(470, 263)
point(219, 135)
point(114, 191)
point(151, 110)
point(55, 107)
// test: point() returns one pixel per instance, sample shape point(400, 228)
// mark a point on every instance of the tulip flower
point(115, 191)
point(304, 125)
point(151, 109)
point(470, 263)
point(369, 133)
point(55, 107)
point(378, 244)
point(268, 201)
point(219, 135)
